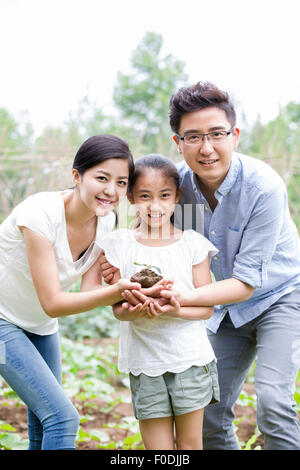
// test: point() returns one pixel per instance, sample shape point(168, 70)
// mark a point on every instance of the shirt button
point(216, 258)
point(213, 232)
point(265, 260)
point(206, 208)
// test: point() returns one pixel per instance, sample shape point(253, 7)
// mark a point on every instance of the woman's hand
point(151, 293)
point(126, 285)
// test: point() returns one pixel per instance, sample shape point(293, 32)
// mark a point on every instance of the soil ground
point(14, 414)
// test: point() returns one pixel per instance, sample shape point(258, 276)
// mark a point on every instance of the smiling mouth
point(155, 216)
point(104, 202)
point(207, 162)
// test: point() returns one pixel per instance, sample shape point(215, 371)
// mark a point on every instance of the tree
point(13, 134)
point(278, 143)
point(143, 95)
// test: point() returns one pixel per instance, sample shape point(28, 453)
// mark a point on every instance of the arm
point(54, 301)
point(192, 310)
point(218, 293)
point(258, 244)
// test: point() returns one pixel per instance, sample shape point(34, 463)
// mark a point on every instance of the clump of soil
point(146, 277)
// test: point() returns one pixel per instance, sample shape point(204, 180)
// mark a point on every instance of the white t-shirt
point(154, 346)
point(44, 213)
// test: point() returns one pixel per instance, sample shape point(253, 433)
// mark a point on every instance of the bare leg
point(189, 430)
point(158, 433)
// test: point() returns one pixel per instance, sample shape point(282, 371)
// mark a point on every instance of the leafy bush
point(97, 323)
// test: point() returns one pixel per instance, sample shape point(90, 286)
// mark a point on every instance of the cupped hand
point(137, 311)
point(155, 290)
point(126, 285)
point(135, 297)
point(172, 308)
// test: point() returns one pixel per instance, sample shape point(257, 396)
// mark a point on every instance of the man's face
point(210, 161)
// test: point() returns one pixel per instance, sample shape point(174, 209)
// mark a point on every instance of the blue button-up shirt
point(251, 226)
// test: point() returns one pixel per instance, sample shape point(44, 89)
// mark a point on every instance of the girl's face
point(103, 186)
point(154, 196)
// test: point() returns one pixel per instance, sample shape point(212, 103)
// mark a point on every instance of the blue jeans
point(273, 339)
point(31, 365)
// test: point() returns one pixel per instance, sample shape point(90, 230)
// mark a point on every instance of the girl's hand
point(135, 297)
point(139, 310)
point(131, 312)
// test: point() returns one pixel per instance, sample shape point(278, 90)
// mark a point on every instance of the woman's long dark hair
point(99, 148)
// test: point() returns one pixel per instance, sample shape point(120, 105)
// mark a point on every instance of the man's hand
point(169, 293)
point(110, 273)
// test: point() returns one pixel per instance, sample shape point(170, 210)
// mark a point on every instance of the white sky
point(54, 52)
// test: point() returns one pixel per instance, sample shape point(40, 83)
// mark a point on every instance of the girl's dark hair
point(196, 97)
point(99, 148)
point(157, 162)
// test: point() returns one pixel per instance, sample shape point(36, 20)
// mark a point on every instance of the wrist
point(116, 291)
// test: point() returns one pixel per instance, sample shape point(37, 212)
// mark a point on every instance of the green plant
point(148, 266)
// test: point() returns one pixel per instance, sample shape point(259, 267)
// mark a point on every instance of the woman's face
point(103, 186)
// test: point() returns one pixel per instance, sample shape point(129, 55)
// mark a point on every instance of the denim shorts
point(174, 394)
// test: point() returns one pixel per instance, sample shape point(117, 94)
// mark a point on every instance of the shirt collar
point(231, 176)
point(229, 180)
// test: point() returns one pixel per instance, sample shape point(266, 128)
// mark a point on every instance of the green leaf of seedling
point(148, 266)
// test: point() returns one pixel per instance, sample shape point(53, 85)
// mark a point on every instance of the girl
point(164, 347)
point(46, 243)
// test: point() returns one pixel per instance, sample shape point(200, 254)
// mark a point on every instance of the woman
point(46, 243)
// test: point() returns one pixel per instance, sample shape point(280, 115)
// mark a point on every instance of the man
point(257, 270)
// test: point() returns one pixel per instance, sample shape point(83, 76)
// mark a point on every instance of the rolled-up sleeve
point(260, 238)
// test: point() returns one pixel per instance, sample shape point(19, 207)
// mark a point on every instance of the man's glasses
point(214, 137)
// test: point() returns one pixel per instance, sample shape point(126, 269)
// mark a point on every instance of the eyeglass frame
point(206, 134)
